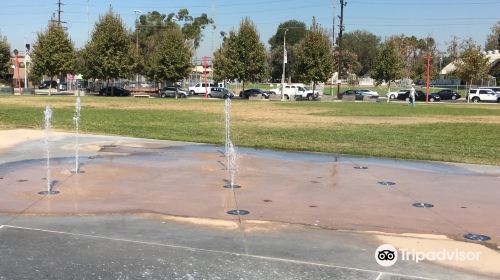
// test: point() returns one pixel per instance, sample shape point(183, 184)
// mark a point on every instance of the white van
point(202, 88)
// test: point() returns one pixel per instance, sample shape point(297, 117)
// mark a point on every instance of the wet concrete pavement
point(110, 221)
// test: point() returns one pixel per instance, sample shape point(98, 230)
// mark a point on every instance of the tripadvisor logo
point(387, 255)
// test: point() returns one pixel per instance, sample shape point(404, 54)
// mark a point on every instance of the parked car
point(350, 92)
point(113, 91)
point(447, 94)
point(219, 92)
point(394, 94)
point(366, 92)
point(170, 92)
point(419, 96)
point(201, 87)
point(299, 91)
point(484, 95)
point(45, 84)
point(63, 86)
point(254, 92)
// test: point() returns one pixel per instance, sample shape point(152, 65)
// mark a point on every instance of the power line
point(59, 11)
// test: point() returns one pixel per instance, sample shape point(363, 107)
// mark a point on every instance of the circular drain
point(238, 212)
point(267, 200)
point(360, 167)
point(1, 178)
point(476, 237)
point(77, 172)
point(423, 205)
point(387, 183)
point(229, 186)
point(52, 192)
point(22, 180)
point(313, 206)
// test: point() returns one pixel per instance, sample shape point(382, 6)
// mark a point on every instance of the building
point(494, 61)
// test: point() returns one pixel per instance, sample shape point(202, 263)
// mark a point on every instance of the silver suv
point(484, 95)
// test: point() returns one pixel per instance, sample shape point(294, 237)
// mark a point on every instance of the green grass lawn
point(457, 133)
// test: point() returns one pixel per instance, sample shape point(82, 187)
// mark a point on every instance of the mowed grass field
point(442, 132)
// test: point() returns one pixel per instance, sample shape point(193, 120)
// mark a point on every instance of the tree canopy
point(4, 57)
point(109, 54)
point(472, 65)
point(413, 55)
point(242, 55)
point(387, 66)
point(493, 39)
point(315, 56)
point(172, 61)
point(364, 45)
point(295, 32)
point(53, 53)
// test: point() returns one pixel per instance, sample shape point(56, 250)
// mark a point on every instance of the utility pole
point(339, 80)
point(137, 14)
point(333, 43)
point(284, 64)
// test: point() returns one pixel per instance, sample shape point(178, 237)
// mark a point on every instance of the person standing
point(412, 95)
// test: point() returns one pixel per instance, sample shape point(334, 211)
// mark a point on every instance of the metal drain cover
point(423, 205)
point(387, 183)
point(238, 212)
point(52, 192)
point(476, 237)
point(22, 180)
point(360, 167)
point(228, 186)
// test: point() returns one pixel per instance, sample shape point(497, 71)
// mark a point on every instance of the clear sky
point(20, 20)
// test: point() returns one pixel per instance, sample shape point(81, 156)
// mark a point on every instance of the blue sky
point(22, 19)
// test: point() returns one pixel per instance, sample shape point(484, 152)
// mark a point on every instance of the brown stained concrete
point(325, 194)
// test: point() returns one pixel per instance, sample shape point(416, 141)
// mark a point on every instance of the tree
point(315, 56)
point(472, 65)
point(242, 55)
point(151, 25)
point(53, 53)
point(493, 39)
point(295, 32)
point(172, 61)
point(350, 62)
point(226, 64)
point(4, 57)
point(387, 66)
point(413, 53)
point(364, 45)
point(109, 54)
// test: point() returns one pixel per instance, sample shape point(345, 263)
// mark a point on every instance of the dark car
point(45, 84)
point(357, 94)
point(419, 96)
point(254, 92)
point(447, 94)
point(114, 91)
point(170, 92)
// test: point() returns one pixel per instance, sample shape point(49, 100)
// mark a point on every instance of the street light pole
point(339, 78)
point(137, 13)
point(284, 64)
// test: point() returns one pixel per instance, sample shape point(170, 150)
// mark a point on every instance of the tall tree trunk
point(50, 86)
point(389, 90)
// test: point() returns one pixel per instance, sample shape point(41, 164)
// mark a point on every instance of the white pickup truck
point(199, 88)
point(297, 92)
